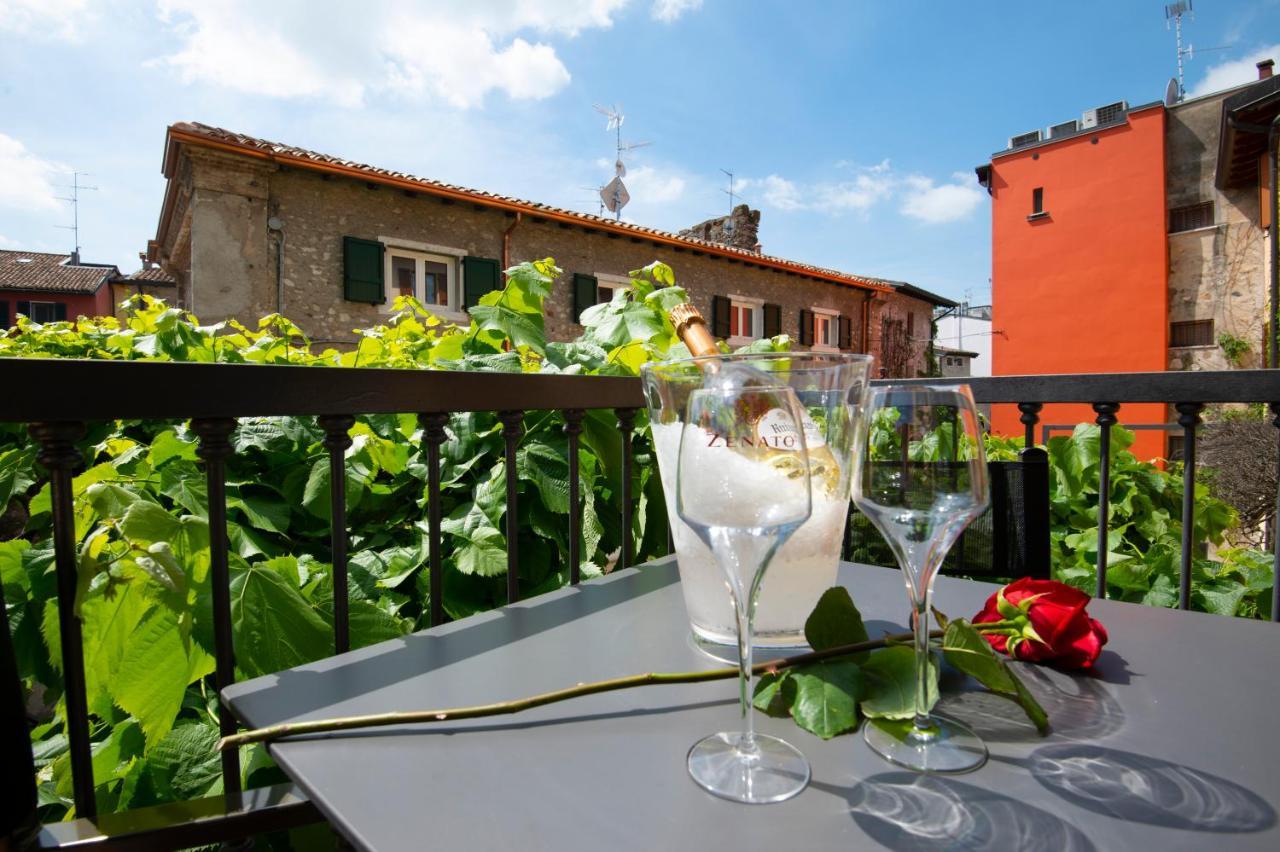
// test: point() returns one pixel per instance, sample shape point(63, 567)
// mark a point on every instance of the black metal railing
point(1187, 392)
point(57, 397)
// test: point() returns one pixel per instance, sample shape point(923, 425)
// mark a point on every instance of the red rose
point(1045, 621)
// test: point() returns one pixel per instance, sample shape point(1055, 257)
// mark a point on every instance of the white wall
point(970, 334)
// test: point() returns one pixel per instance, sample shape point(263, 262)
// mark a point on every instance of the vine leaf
point(965, 649)
point(835, 621)
point(889, 682)
point(826, 700)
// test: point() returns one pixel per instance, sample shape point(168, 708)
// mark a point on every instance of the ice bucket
point(831, 389)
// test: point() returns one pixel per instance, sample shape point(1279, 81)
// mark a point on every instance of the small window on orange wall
point(1037, 200)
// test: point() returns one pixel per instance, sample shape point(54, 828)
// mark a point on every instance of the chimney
point(1264, 68)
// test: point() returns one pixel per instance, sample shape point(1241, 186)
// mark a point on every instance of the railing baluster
point(626, 425)
point(512, 429)
point(573, 428)
point(1188, 419)
point(215, 448)
point(60, 457)
point(1030, 417)
point(1275, 523)
point(337, 437)
point(1106, 419)
point(433, 433)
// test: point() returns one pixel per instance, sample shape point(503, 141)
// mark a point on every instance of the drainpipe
point(866, 322)
point(506, 243)
point(276, 225)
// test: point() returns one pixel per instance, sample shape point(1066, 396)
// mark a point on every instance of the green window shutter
point(60, 312)
point(362, 271)
point(806, 327)
point(584, 294)
point(720, 317)
point(24, 308)
point(772, 320)
point(479, 276)
point(4, 315)
point(846, 333)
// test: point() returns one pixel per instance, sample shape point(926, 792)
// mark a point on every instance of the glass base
point(949, 748)
point(774, 772)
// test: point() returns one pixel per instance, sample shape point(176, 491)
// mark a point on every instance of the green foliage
point(143, 539)
point(831, 697)
point(1144, 539)
point(1234, 348)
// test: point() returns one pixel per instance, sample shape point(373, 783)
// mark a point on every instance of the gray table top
point(1171, 745)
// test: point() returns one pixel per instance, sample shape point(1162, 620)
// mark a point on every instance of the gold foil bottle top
point(692, 329)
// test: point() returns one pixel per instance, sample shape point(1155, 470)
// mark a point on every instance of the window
point(45, 312)
point(430, 278)
point(745, 319)
point(607, 286)
point(1037, 201)
point(1193, 333)
point(1177, 448)
point(826, 330)
point(1191, 217)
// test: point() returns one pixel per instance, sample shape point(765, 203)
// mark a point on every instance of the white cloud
point(935, 204)
point(1233, 72)
point(869, 186)
point(5, 242)
point(44, 19)
point(671, 10)
point(28, 179)
point(653, 186)
point(455, 53)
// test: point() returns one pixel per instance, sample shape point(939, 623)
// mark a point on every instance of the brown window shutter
point(720, 317)
point(772, 320)
point(846, 333)
point(806, 327)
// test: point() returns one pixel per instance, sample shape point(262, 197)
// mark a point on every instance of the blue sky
point(853, 126)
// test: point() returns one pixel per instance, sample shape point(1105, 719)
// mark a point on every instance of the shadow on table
point(914, 813)
point(295, 693)
point(1080, 707)
point(1136, 788)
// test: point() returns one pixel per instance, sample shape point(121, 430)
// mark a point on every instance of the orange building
point(1080, 259)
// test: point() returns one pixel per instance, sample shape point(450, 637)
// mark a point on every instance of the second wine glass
point(743, 486)
point(923, 480)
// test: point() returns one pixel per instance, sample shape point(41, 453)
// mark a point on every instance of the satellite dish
point(1172, 93)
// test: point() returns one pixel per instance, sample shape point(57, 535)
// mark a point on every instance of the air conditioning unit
point(1064, 129)
point(1104, 115)
point(1024, 139)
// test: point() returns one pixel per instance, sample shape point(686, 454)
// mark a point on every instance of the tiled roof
point(216, 137)
point(154, 275)
point(52, 273)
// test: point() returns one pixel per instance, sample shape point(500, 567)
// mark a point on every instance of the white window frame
point(757, 318)
point(829, 316)
point(420, 252)
point(610, 281)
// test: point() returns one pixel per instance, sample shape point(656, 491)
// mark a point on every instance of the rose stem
point(501, 708)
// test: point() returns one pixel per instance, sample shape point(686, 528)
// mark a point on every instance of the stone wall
point(1217, 272)
point(232, 255)
point(740, 229)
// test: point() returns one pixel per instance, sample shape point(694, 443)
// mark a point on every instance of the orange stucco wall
point(1083, 289)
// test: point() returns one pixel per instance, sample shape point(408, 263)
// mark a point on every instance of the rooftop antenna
point(1174, 12)
point(614, 195)
point(733, 196)
point(74, 198)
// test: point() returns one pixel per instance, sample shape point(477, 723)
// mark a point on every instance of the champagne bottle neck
point(692, 330)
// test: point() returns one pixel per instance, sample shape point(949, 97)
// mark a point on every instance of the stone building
point(249, 227)
point(1218, 243)
point(55, 287)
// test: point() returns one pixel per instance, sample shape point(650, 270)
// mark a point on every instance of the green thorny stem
point(320, 726)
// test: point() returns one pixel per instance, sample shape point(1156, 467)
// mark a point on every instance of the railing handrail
point(64, 389)
point(1207, 386)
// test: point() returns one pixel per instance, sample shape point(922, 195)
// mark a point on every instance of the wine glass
point(742, 485)
point(923, 480)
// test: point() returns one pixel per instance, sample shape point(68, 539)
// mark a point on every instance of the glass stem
point(746, 611)
point(920, 627)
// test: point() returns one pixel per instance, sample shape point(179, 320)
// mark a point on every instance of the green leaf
point(317, 498)
point(835, 621)
point(965, 649)
point(275, 627)
point(167, 446)
point(889, 684)
point(186, 763)
point(263, 508)
point(485, 554)
point(827, 694)
point(153, 674)
point(774, 694)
